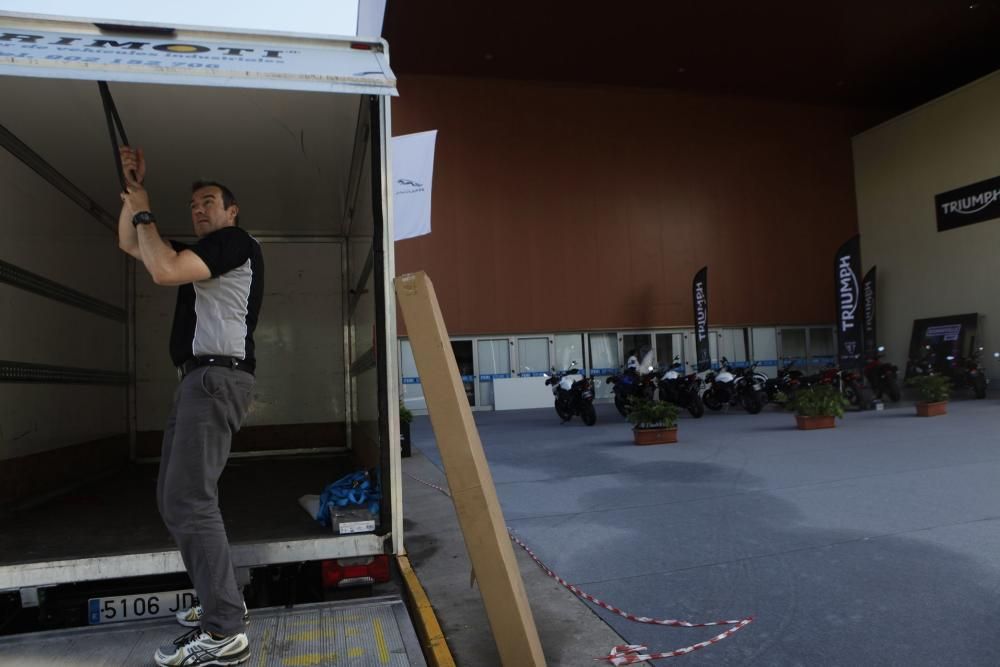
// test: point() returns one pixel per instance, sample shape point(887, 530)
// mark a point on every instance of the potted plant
point(934, 393)
point(405, 417)
point(817, 406)
point(654, 422)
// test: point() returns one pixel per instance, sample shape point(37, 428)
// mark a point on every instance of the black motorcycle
point(967, 373)
point(964, 372)
point(852, 385)
point(573, 397)
point(782, 388)
point(729, 387)
point(883, 377)
point(682, 390)
point(631, 382)
point(750, 389)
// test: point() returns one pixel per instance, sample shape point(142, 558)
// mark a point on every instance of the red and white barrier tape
point(625, 654)
point(426, 483)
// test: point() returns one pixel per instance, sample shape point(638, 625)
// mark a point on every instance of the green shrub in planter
point(819, 400)
point(644, 413)
point(932, 388)
point(405, 417)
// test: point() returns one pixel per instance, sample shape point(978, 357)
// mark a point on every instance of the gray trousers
point(209, 406)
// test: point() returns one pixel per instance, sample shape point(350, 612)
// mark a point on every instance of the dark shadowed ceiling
point(885, 54)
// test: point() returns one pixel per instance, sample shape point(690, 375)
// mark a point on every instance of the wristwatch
point(143, 218)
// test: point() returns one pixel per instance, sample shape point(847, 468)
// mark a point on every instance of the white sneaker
point(191, 618)
point(197, 648)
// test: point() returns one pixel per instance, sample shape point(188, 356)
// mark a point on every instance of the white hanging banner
point(412, 171)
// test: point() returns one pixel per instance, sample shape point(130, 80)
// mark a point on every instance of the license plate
point(138, 607)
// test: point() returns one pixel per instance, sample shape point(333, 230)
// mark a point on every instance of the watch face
point(143, 218)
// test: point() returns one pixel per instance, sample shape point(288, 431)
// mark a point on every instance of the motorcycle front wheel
point(859, 396)
point(979, 386)
point(621, 404)
point(711, 402)
point(588, 414)
point(892, 388)
point(751, 403)
point(696, 407)
point(565, 414)
point(763, 398)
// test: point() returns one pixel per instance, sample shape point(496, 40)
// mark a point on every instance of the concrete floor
point(875, 543)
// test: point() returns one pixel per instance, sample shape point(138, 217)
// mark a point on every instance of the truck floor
point(117, 514)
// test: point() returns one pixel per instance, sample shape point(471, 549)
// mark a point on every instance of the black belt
point(225, 362)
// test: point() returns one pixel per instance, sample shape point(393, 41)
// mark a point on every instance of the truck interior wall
point(292, 182)
point(299, 399)
point(373, 347)
point(53, 434)
point(365, 429)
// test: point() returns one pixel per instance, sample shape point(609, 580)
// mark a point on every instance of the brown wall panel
point(560, 208)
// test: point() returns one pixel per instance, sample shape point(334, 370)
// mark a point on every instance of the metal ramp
point(356, 633)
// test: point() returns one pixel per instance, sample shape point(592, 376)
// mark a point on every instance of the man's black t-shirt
point(218, 316)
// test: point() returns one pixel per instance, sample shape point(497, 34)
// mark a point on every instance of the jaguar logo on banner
point(847, 268)
point(699, 291)
point(868, 300)
point(968, 205)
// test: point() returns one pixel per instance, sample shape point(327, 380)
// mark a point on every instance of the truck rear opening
point(297, 127)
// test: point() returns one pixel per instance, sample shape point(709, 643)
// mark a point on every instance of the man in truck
point(220, 281)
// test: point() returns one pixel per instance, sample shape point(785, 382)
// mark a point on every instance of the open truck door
point(298, 127)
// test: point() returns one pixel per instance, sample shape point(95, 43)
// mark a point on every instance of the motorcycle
point(750, 389)
point(720, 387)
point(848, 382)
point(631, 382)
point(964, 372)
point(728, 388)
point(573, 396)
point(882, 376)
point(967, 373)
point(788, 381)
point(682, 390)
point(852, 386)
point(922, 365)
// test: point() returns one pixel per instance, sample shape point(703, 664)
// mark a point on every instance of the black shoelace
point(188, 636)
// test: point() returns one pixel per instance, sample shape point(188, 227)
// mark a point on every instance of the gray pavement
point(871, 544)
point(571, 634)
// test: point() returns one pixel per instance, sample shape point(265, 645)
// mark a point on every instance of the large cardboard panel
point(468, 475)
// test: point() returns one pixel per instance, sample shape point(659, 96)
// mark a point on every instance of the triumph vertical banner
point(847, 269)
point(699, 290)
point(868, 299)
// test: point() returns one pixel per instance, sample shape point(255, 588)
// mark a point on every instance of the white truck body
point(298, 127)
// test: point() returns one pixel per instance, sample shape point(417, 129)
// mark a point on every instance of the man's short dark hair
point(228, 198)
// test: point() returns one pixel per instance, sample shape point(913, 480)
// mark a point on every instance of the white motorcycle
point(574, 395)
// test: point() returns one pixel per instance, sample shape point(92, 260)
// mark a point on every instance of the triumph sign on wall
point(850, 314)
point(968, 205)
point(699, 292)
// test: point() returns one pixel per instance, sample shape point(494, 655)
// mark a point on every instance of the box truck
point(298, 127)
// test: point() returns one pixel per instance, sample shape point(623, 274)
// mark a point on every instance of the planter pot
point(404, 438)
point(812, 423)
point(654, 436)
point(925, 409)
